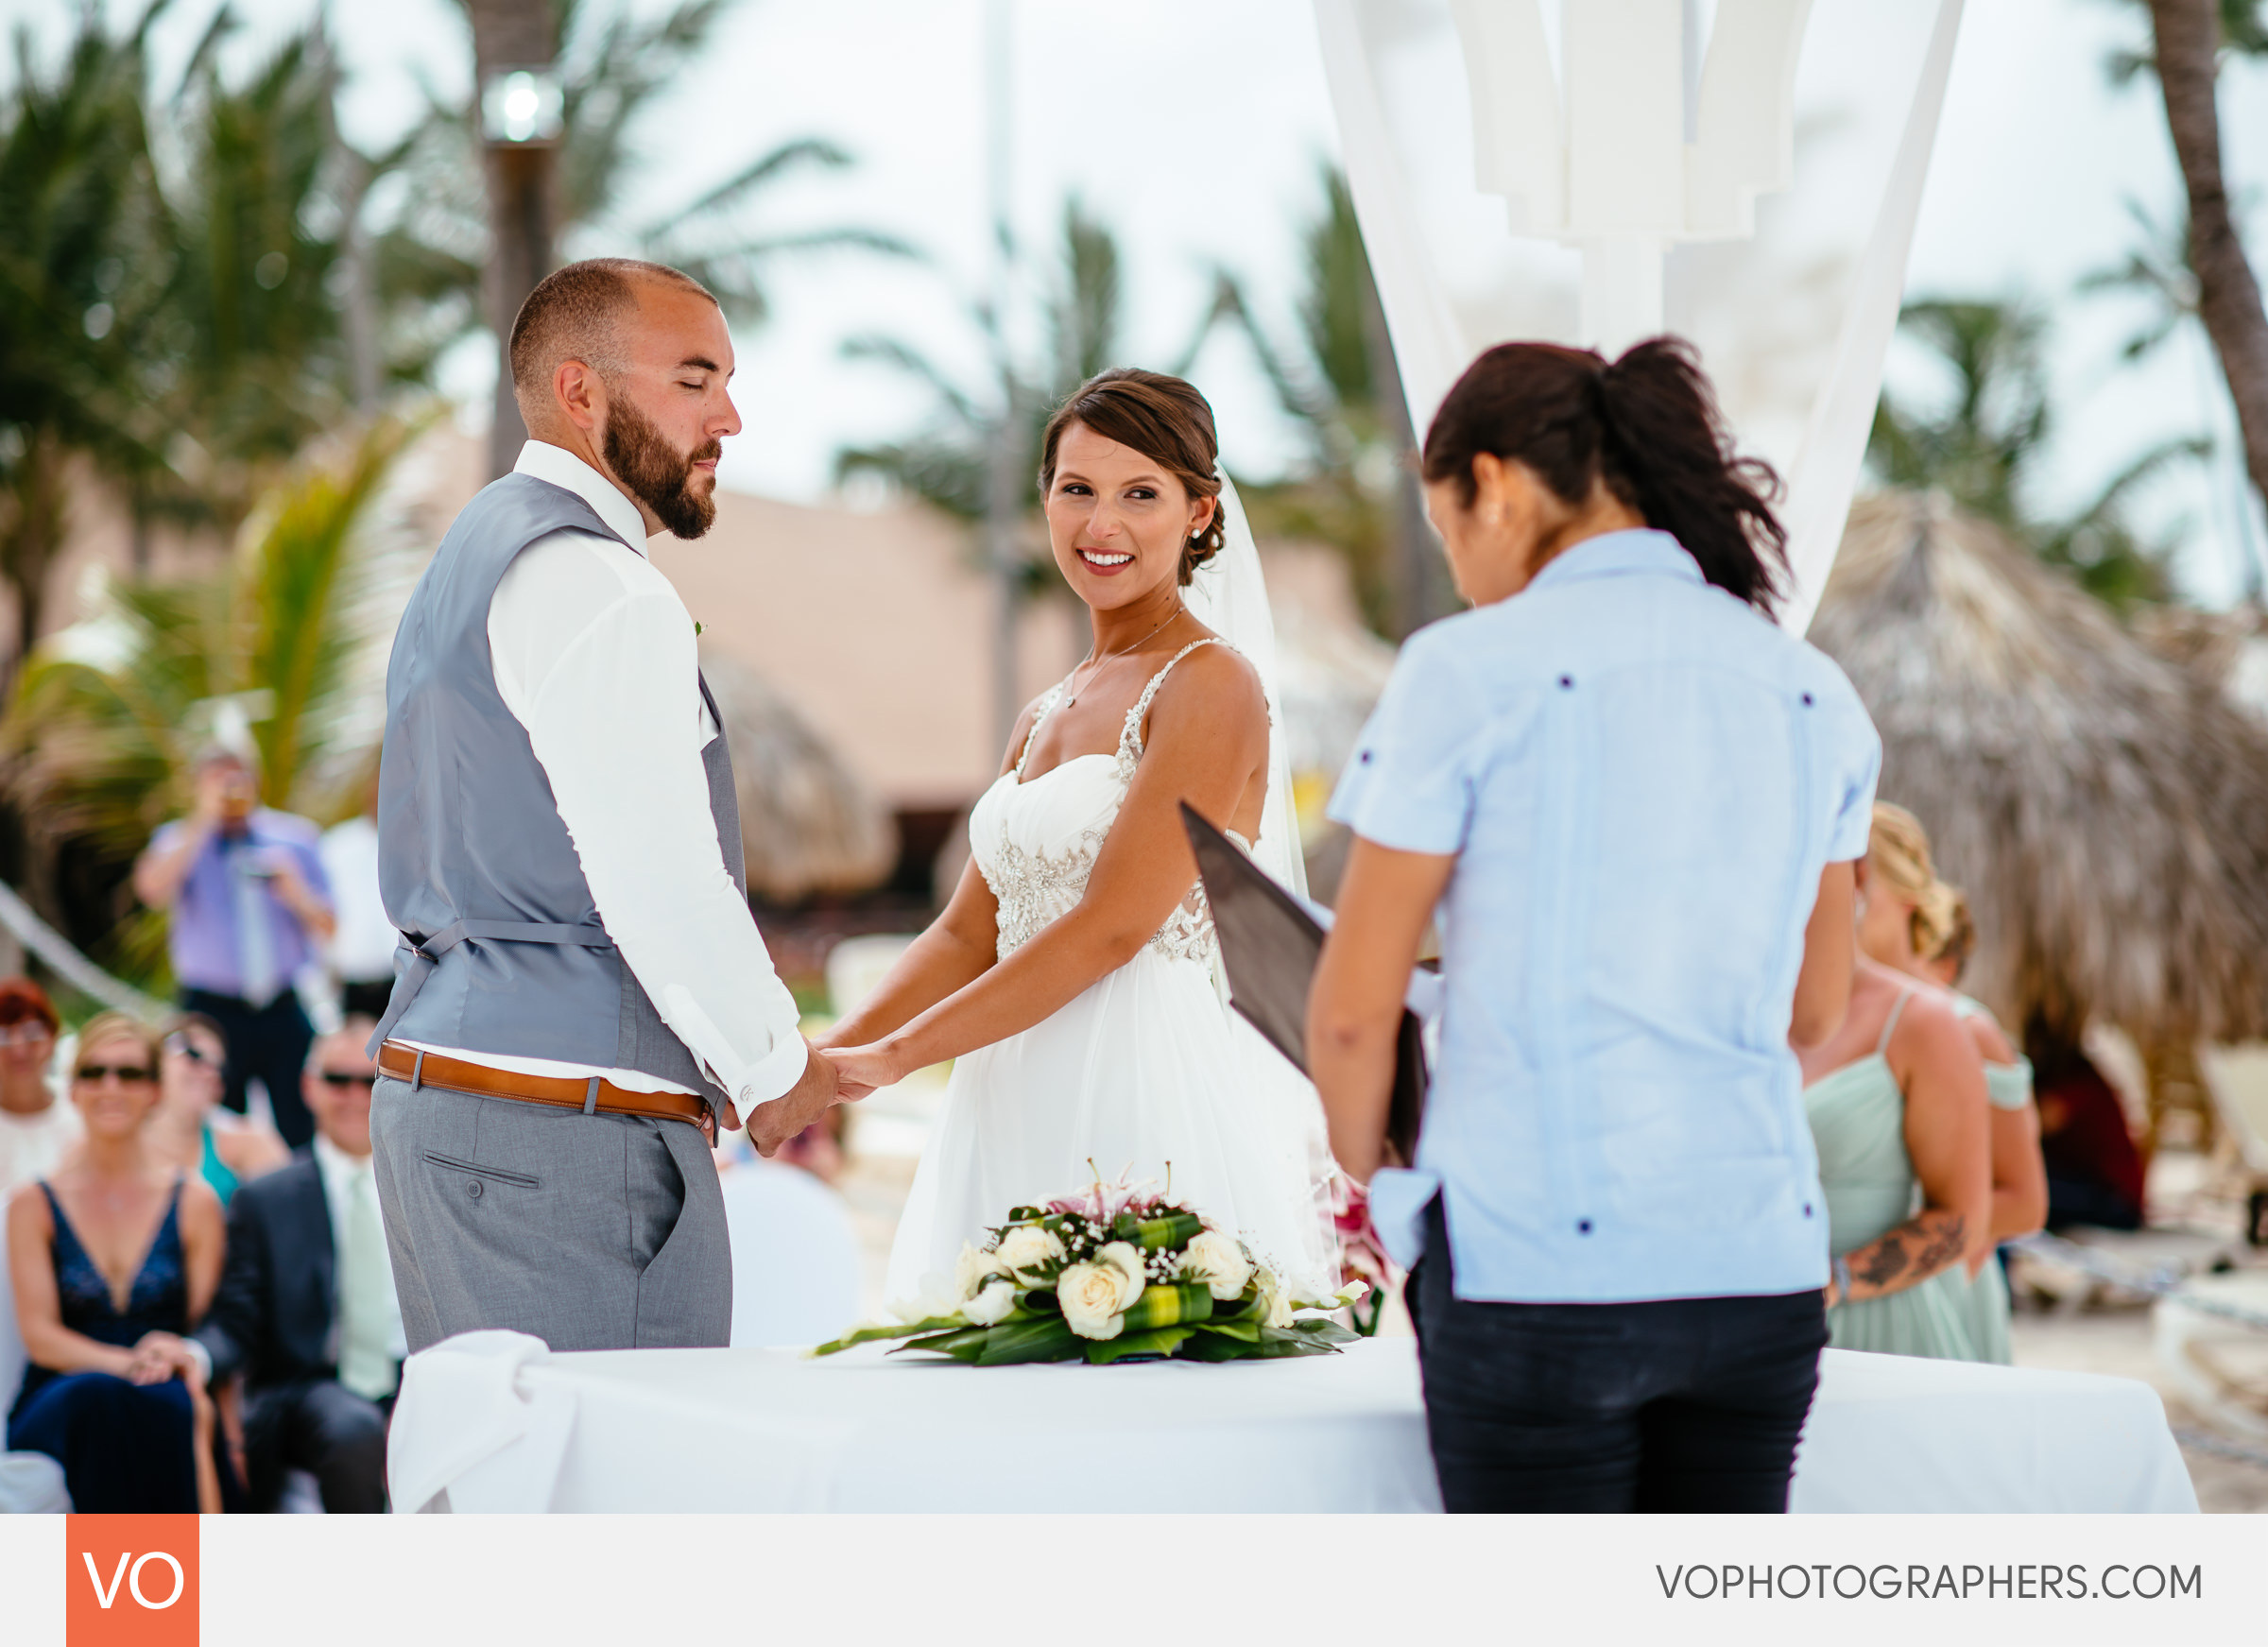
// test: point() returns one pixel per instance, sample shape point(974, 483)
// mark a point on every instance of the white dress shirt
point(344, 1175)
point(594, 654)
point(363, 947)
point(30, 1145)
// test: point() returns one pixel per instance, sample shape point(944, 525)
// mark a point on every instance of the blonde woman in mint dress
point(1897, 1105)
point(1918, 925)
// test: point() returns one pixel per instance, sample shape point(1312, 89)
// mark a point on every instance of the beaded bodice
point(1036, 843)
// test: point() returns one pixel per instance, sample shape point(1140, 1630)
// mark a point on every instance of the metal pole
point(1005, 490)
point(509, 34)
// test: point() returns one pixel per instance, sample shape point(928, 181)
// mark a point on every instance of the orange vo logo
point(130, 1581)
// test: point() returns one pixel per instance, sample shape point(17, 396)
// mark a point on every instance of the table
point(504, 1425)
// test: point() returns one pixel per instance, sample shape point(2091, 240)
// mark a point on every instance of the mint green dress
point(2009, 1087)
point(1858, 1116)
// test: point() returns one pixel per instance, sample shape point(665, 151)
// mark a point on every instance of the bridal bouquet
point(1116, 1273)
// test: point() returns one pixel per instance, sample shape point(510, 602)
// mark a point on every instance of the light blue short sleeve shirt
point(1641, 779)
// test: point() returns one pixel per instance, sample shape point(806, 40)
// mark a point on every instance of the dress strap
point(1046, 707)
point(1129, 740)
point(1881, 1048)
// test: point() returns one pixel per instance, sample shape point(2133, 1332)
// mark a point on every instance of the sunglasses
point(184, 1047)
point(94, 1074)
point(24, 1035)
point(340, 1078)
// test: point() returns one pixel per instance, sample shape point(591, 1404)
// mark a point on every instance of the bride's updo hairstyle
point(1163, 418)
point(1647, 426)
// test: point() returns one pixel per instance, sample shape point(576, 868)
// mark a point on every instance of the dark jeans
point(1685, 1404)
point(324, 1429)
point(271, 1043)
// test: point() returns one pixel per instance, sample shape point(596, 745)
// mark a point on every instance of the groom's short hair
point(575, 314)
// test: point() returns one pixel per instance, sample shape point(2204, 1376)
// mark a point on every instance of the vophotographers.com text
point(1883, 1581)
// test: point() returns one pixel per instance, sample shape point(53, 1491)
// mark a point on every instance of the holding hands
point(824, 1083)
point(161, 1356)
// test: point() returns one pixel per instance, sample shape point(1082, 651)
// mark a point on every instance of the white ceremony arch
point(1635, 139)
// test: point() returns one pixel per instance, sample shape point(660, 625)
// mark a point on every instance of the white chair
point(32, 1484)
point(12, 1357)
point(794, 1257)
point(2237, 1076)
point(855, 965)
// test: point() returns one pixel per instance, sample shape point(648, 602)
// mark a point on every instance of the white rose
point(1027, 1247)
point(1125, 1257)
point(971, 1268)
point(1275, 1300)
point(1088, 1293)
point(1219, 1261)
point(994, 1298)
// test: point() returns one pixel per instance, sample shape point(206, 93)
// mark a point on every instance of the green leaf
point(1168, 1306)
point(1160, 1342)
point(878, 1331)
point(1245, 1329)
point(965, 1344)
point(1028, 1341)
point(1208, 1344)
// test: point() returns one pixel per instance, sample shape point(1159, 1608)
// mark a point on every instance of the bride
point(1072, 976)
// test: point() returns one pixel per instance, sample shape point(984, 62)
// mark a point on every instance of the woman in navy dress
point(114, 1257)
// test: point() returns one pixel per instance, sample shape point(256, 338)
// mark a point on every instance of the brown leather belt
point(593, 1096)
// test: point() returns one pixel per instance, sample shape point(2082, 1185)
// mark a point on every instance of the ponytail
point(1647, 427)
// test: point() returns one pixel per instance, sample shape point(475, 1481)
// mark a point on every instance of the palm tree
point(948, 462)
point(1981, 448)
point(77, 199)
point(616, 68)
point(2187, 37)
point(2155, 269)
point(110, 713)
point(1337, 382)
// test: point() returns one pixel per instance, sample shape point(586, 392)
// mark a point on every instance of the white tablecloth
point(505, 1426)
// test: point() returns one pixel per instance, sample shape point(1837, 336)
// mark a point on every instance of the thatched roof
point(2105, 807)
point(810, 825)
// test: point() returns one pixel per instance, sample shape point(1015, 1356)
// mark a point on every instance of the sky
point(1195, 129)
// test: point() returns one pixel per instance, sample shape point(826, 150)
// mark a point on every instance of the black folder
point(1269, 946)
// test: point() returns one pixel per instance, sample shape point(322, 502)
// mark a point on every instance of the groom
point(581, 996)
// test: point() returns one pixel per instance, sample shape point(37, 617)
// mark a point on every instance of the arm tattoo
point(1946, 1246)
point(1883, 1265)
point(1888, 1266)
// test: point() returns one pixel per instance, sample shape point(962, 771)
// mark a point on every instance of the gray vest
point(503, 948)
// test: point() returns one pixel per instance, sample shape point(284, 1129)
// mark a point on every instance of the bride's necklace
point(1120, 652)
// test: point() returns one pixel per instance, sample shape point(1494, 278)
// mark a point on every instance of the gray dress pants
point(589, 1232)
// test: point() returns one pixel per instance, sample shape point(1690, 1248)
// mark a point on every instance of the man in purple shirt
point(250, 900)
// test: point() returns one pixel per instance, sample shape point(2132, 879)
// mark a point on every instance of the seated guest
point(114, 1256)
point(306, 1313)
point(1917, 925)
point(35, 1129)
point(2095, 1174)
point(190, 1128)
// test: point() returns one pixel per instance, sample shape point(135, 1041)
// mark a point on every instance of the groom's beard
point(658, 475)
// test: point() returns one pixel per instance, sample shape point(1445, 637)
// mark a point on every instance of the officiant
point(1634, 801)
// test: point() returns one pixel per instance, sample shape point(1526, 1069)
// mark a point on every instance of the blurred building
point(853, 649)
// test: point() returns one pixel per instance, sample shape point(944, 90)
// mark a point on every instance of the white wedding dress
point(1148, 1071)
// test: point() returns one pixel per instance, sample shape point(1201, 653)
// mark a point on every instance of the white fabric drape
point(1433, 347)
point(1826, 471)
point(707, 1431)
